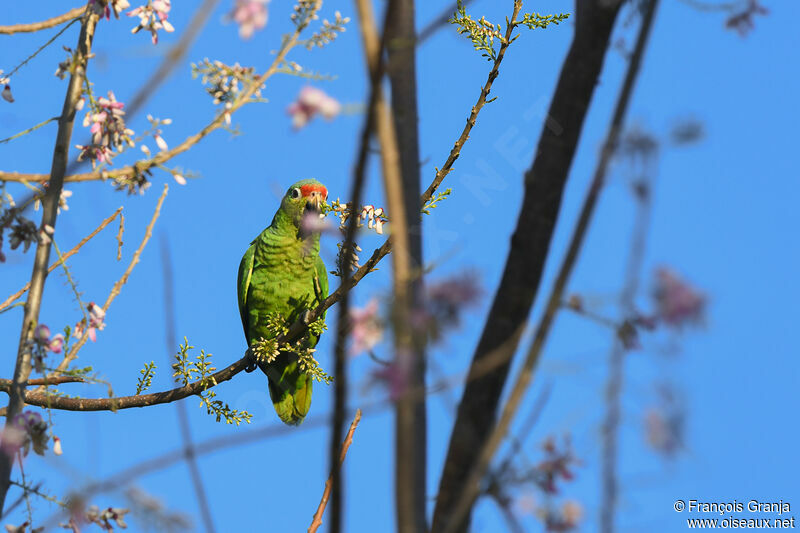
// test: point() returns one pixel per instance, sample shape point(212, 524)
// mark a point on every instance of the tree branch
point(49, 213)
point(5, 384)
point(73, 13)
point(317, 521)
point(470, 488)
point(402, 191)
point(51, 401)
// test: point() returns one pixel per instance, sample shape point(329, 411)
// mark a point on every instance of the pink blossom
point(315, 223)
point(664, 424)
point(393, 377)
point(57, 446)
point(96, 323)
point(179, 179)
point(162, 144)
point(557, 464)
point(56, 343)
point(250, 15)
point(107, 126)
point(677, 302)
point(104, 10)
point(374, 217)
point(27, 429)
point(564, 519)
point(310, 102)
point(62, 200)
point(444, 304)
point(41, 334)
point(153, 17)
point(96, 316)
point(367, 328)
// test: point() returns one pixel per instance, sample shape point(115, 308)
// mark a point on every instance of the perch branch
point(44, 399)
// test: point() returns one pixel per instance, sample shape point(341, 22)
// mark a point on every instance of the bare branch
point(73, 13)
point(329, 484)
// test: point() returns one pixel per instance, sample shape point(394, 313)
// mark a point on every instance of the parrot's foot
point(251, 361)
point(306, 317)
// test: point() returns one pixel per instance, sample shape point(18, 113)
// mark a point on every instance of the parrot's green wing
point(243, 285)
point(292, 402)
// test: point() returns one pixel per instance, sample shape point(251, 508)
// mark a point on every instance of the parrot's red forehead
point(306, 190)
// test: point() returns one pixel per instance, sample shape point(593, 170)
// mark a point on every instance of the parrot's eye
point(295, 193)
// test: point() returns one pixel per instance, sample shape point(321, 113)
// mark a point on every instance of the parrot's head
point(304, 199)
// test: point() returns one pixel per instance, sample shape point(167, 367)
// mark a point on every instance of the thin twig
point(66, 256)
point(73, 285)
point(38, 50)
point(317, 521)
point(471, 489)
point(73, 13)
point(119, 236)
point(29, 130)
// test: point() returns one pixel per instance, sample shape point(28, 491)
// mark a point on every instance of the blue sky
point(724, 216)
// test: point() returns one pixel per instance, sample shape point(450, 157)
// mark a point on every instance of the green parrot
point(282, 272)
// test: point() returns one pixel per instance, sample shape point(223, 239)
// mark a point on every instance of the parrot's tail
point(290, 389)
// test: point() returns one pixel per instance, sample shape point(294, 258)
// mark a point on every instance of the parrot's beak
point(314, 201)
